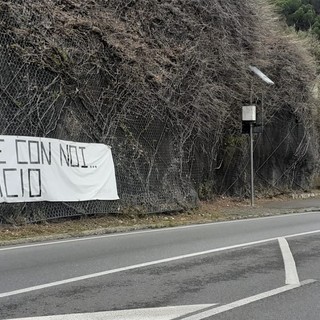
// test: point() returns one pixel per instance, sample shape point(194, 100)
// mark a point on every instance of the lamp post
point(249, 116)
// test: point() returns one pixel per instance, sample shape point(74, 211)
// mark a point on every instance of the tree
point(316, 27)
point(289, 7)
point(303, 18)
point(314, 3)
point(299, 13)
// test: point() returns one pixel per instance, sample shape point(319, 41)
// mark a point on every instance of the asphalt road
point(213, 271)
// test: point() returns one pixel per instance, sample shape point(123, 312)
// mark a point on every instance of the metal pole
point(251, 164)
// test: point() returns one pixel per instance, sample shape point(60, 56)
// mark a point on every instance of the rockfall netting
point(162, 83)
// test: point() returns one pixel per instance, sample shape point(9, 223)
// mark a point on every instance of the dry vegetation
point(163, 82)
point(223, 209)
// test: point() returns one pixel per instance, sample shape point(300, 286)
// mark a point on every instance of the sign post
point(249, 116)
point(251, 164)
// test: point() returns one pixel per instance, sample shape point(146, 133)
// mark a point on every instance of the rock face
point(163, 83)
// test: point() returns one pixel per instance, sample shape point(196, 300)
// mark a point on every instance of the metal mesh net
point(167, 100)
point(33, 104)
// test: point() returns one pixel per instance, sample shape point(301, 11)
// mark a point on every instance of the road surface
point(265, 268)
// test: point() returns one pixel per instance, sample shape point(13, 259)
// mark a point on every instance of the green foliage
point(315, 4)
point(205, 190)
point(302, 14)
point(316, 28)
point(288, 7)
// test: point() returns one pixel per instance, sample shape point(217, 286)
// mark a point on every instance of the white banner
point(42, 169)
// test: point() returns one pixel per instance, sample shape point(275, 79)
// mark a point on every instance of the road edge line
point(75, 238)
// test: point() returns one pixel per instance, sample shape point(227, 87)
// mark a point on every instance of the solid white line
point(142, 265)
point(132, 267)
point(166, 313)
point(124, 234)
point(289, 263)
point(301, 234)
point(245, 301)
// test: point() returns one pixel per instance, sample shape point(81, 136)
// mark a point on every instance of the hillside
point(163, 83)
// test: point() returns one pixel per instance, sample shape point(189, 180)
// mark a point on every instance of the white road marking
point(170, 313)
point(132, 267)
point(289, 263)
point(124, 234)
point(142, 265)
point(307, 233)
point(246, 301)
point(167, 313)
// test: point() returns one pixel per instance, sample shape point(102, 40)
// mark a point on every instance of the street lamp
point(249, 116)
point(261, 75)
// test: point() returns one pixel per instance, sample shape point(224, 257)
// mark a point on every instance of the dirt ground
point(221, 209)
